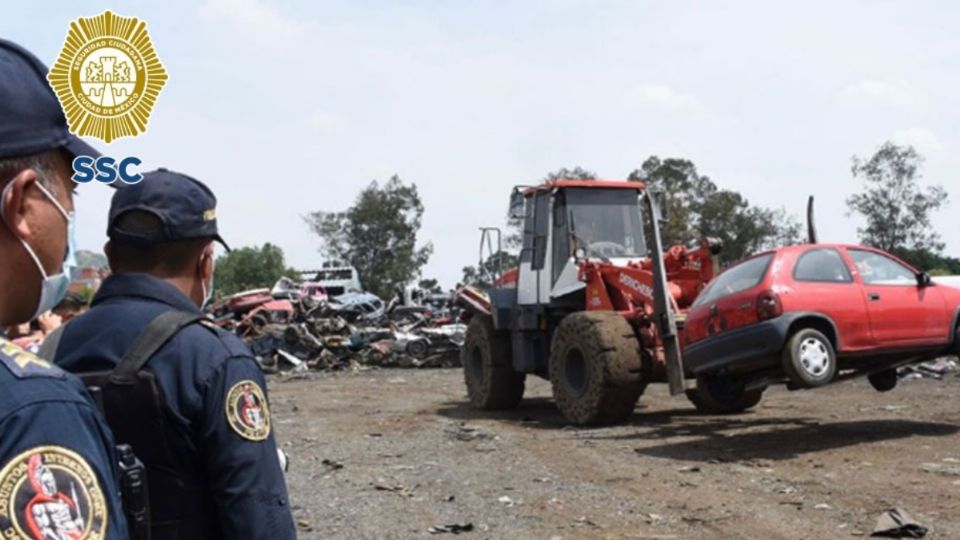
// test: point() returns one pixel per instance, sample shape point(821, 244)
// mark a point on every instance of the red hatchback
point(812, 314)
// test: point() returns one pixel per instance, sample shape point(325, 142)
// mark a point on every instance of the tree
point(896, 208)
point(249, 268)
point(431, 285)
point(698, 208)
point(377, 235)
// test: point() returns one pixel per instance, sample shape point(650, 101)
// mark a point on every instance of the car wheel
point(883, 381)
point(723, 395)
point(809, 359)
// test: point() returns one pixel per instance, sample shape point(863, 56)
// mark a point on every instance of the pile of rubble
point(296, 326)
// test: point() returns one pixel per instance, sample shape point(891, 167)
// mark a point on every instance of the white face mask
point(52, 288)
point(208, 289)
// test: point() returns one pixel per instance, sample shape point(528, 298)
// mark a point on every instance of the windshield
point(607, 223)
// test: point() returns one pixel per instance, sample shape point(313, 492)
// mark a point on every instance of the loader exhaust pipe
point(811, 225)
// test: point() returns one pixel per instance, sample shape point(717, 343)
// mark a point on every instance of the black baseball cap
point(31, 119)
point(184, 205)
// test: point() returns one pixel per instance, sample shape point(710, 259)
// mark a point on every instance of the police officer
point(212, 465)
point(58, 476)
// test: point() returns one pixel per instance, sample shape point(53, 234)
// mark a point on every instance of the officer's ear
point(206, 262)
point(16, 204)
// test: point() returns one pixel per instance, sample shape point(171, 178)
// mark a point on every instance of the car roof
point(595, 184)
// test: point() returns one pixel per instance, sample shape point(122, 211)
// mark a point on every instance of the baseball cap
point(186, 208)
point(31, 119)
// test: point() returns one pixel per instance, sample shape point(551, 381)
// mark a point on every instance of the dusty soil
point(389, 454)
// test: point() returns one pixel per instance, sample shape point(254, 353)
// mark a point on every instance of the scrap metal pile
point(296, 326)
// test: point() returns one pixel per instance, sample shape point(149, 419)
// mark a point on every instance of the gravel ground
point(392, 453)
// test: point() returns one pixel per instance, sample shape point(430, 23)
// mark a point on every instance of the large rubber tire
point(809, 359)
point(595, 368)
point(723, 395)
point(487, 367)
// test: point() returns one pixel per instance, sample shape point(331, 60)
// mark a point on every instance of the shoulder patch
point(24, 364)
point(247, 411)
point(51, 492)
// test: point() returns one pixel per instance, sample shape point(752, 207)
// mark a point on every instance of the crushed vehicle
point(591, 307)
point(336, 278)
point(288, 289)
point(814, 314)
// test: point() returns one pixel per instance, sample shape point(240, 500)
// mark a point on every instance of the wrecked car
point(814, 314)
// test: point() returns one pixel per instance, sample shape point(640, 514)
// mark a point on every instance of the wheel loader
point(594, 304)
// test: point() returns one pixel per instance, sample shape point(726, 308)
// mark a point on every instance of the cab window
point(877, 269)
point(822, 265)
point(741, 277)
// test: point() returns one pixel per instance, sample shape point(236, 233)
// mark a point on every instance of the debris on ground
point(453, 528)
point(934, 369)
point(297, 327)
point(897, 523)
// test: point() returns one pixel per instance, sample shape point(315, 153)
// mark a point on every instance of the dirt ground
point(389, 454)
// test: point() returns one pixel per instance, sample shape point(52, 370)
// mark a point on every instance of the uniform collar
point(133, 284)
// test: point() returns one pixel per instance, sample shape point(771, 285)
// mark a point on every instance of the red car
point(813, 314)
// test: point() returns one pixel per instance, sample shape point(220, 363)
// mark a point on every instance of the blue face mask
point(53, 288)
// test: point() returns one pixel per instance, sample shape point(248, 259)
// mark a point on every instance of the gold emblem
point(51, 492)
point(107, 76)
point(247, 411)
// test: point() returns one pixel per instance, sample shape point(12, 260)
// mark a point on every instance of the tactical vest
point(136, 410)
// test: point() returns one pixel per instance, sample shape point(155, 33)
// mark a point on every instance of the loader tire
point(723, 395)
point(488, 367)
point(595, 368)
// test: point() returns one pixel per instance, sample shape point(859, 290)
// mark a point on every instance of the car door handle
point(873, 297)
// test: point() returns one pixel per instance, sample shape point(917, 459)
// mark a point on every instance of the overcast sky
point(288, 107)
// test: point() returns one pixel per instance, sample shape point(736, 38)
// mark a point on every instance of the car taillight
point(768, 305)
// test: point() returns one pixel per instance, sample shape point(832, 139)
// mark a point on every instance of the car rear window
point(741, 277)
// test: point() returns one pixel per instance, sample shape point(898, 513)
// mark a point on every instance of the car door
point(901, 312)
point(824, 284)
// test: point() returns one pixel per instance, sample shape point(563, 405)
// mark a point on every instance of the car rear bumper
point(744, 349)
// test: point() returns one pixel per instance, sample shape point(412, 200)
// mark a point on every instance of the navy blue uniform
point(57, 457)
point(219, 422)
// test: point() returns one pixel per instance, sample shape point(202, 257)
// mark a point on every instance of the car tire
point(595, 367)
point(809, 359)
point(488, 367)
point(723, 395)
point(883, 381)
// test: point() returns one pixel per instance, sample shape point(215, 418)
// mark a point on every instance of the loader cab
point(565, 222)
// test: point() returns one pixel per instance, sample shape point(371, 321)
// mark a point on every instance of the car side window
point(822, 265)
point(877, 269)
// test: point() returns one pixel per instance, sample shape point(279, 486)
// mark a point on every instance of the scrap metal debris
point(935, 369)
point(897, 523)
point(453, 528)
point(296, 327)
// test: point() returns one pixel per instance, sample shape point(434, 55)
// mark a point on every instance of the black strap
point(155, 336)
point(48, 349)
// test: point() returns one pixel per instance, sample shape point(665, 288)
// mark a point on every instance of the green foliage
point(482, 278)
point(249, 268)
point(932, 263)
point(698, 208)
point(430, 285)
point(377, 235)
point(896, 208)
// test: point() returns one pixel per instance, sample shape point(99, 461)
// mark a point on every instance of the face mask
point(53, 288)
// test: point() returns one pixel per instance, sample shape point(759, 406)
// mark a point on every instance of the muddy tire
point(487, 367)
point(809, 359)
point(595, 368)
point(883, 381)
point(723, 395)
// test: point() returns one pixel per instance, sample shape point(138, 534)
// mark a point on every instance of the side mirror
point(517, 202)
point(923, 279)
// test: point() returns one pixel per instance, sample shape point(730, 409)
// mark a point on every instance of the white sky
point(288, 107)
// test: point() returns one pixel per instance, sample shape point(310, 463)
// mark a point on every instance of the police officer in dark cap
point(58, 464)
point(210, 453)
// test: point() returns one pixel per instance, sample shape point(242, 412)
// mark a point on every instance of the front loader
point(590, 306)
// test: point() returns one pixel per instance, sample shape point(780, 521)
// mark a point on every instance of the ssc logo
point(247, 411)
point(107, 76)
point(50, 492)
